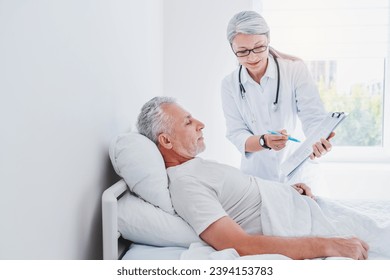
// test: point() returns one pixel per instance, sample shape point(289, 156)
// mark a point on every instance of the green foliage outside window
point(363, 126)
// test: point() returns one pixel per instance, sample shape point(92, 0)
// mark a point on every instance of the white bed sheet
point(197, 251)
point(148, 252)
point(369, 219)
point(297, 215)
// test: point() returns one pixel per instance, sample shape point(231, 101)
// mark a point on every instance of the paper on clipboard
point(297, 158)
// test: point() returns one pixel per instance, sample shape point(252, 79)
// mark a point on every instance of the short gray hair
point(246, 22)
point(152, 121)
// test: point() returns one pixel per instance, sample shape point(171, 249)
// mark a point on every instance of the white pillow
point(141, 222)
point(138, 161)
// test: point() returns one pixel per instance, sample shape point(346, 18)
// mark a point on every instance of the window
point(346, 45)
point(360, 93)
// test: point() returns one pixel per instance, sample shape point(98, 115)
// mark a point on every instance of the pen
point(289, 137)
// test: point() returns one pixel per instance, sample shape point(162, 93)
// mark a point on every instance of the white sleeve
point(310, 108)
point(236, 129)
point(197, 204)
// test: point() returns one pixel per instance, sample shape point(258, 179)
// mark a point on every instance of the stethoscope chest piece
point(275, 107)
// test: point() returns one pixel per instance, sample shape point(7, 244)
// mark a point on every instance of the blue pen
point(289, 137)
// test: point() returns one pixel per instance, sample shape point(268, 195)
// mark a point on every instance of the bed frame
point(114, 246)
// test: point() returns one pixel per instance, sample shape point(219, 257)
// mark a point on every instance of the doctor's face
point(257, 45)
point(186, 136)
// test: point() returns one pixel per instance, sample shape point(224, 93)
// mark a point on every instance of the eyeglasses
point(254, 50)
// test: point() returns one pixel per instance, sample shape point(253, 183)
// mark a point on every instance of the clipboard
point(323, 130)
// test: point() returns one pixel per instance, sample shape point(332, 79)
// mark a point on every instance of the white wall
point(72, 75)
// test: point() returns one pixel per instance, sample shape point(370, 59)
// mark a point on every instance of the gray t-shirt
point(204, 191)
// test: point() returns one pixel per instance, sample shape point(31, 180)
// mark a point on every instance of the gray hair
point(246, 22)
point(152, 121)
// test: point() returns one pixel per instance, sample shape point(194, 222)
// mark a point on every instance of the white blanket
point(286, 213)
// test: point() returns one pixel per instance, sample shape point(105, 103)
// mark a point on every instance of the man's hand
point(322, 147)
point(353, 248)
point(303, 189)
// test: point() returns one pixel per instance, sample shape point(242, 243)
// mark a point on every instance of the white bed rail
point(110, 219)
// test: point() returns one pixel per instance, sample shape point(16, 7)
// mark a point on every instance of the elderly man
point(221, 203)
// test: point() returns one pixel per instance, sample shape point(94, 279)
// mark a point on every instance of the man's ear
point(165, 141)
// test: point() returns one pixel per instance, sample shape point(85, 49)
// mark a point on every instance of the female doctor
point(269, 91)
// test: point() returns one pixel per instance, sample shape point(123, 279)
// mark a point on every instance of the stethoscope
point(275, 104)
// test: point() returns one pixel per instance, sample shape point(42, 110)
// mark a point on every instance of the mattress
point(147, 252)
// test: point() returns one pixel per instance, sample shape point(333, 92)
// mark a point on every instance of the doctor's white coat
point(253, 113)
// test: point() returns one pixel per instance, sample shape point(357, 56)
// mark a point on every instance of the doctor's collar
point(270, 72)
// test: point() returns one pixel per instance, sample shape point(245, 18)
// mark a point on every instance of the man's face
point(186, 137)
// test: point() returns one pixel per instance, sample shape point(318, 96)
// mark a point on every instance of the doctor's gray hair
point(246, 22)
point(152, 121)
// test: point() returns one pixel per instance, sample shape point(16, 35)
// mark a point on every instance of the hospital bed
point(117, 247)
point(140, 223)
point(115, 200)
point(114, 245)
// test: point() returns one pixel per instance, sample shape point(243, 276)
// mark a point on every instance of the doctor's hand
point(276, 142)
point(322, 147)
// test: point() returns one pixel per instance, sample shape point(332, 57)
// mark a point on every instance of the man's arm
point(226, 233)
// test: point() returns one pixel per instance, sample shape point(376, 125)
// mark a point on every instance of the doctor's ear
point(164, 141)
